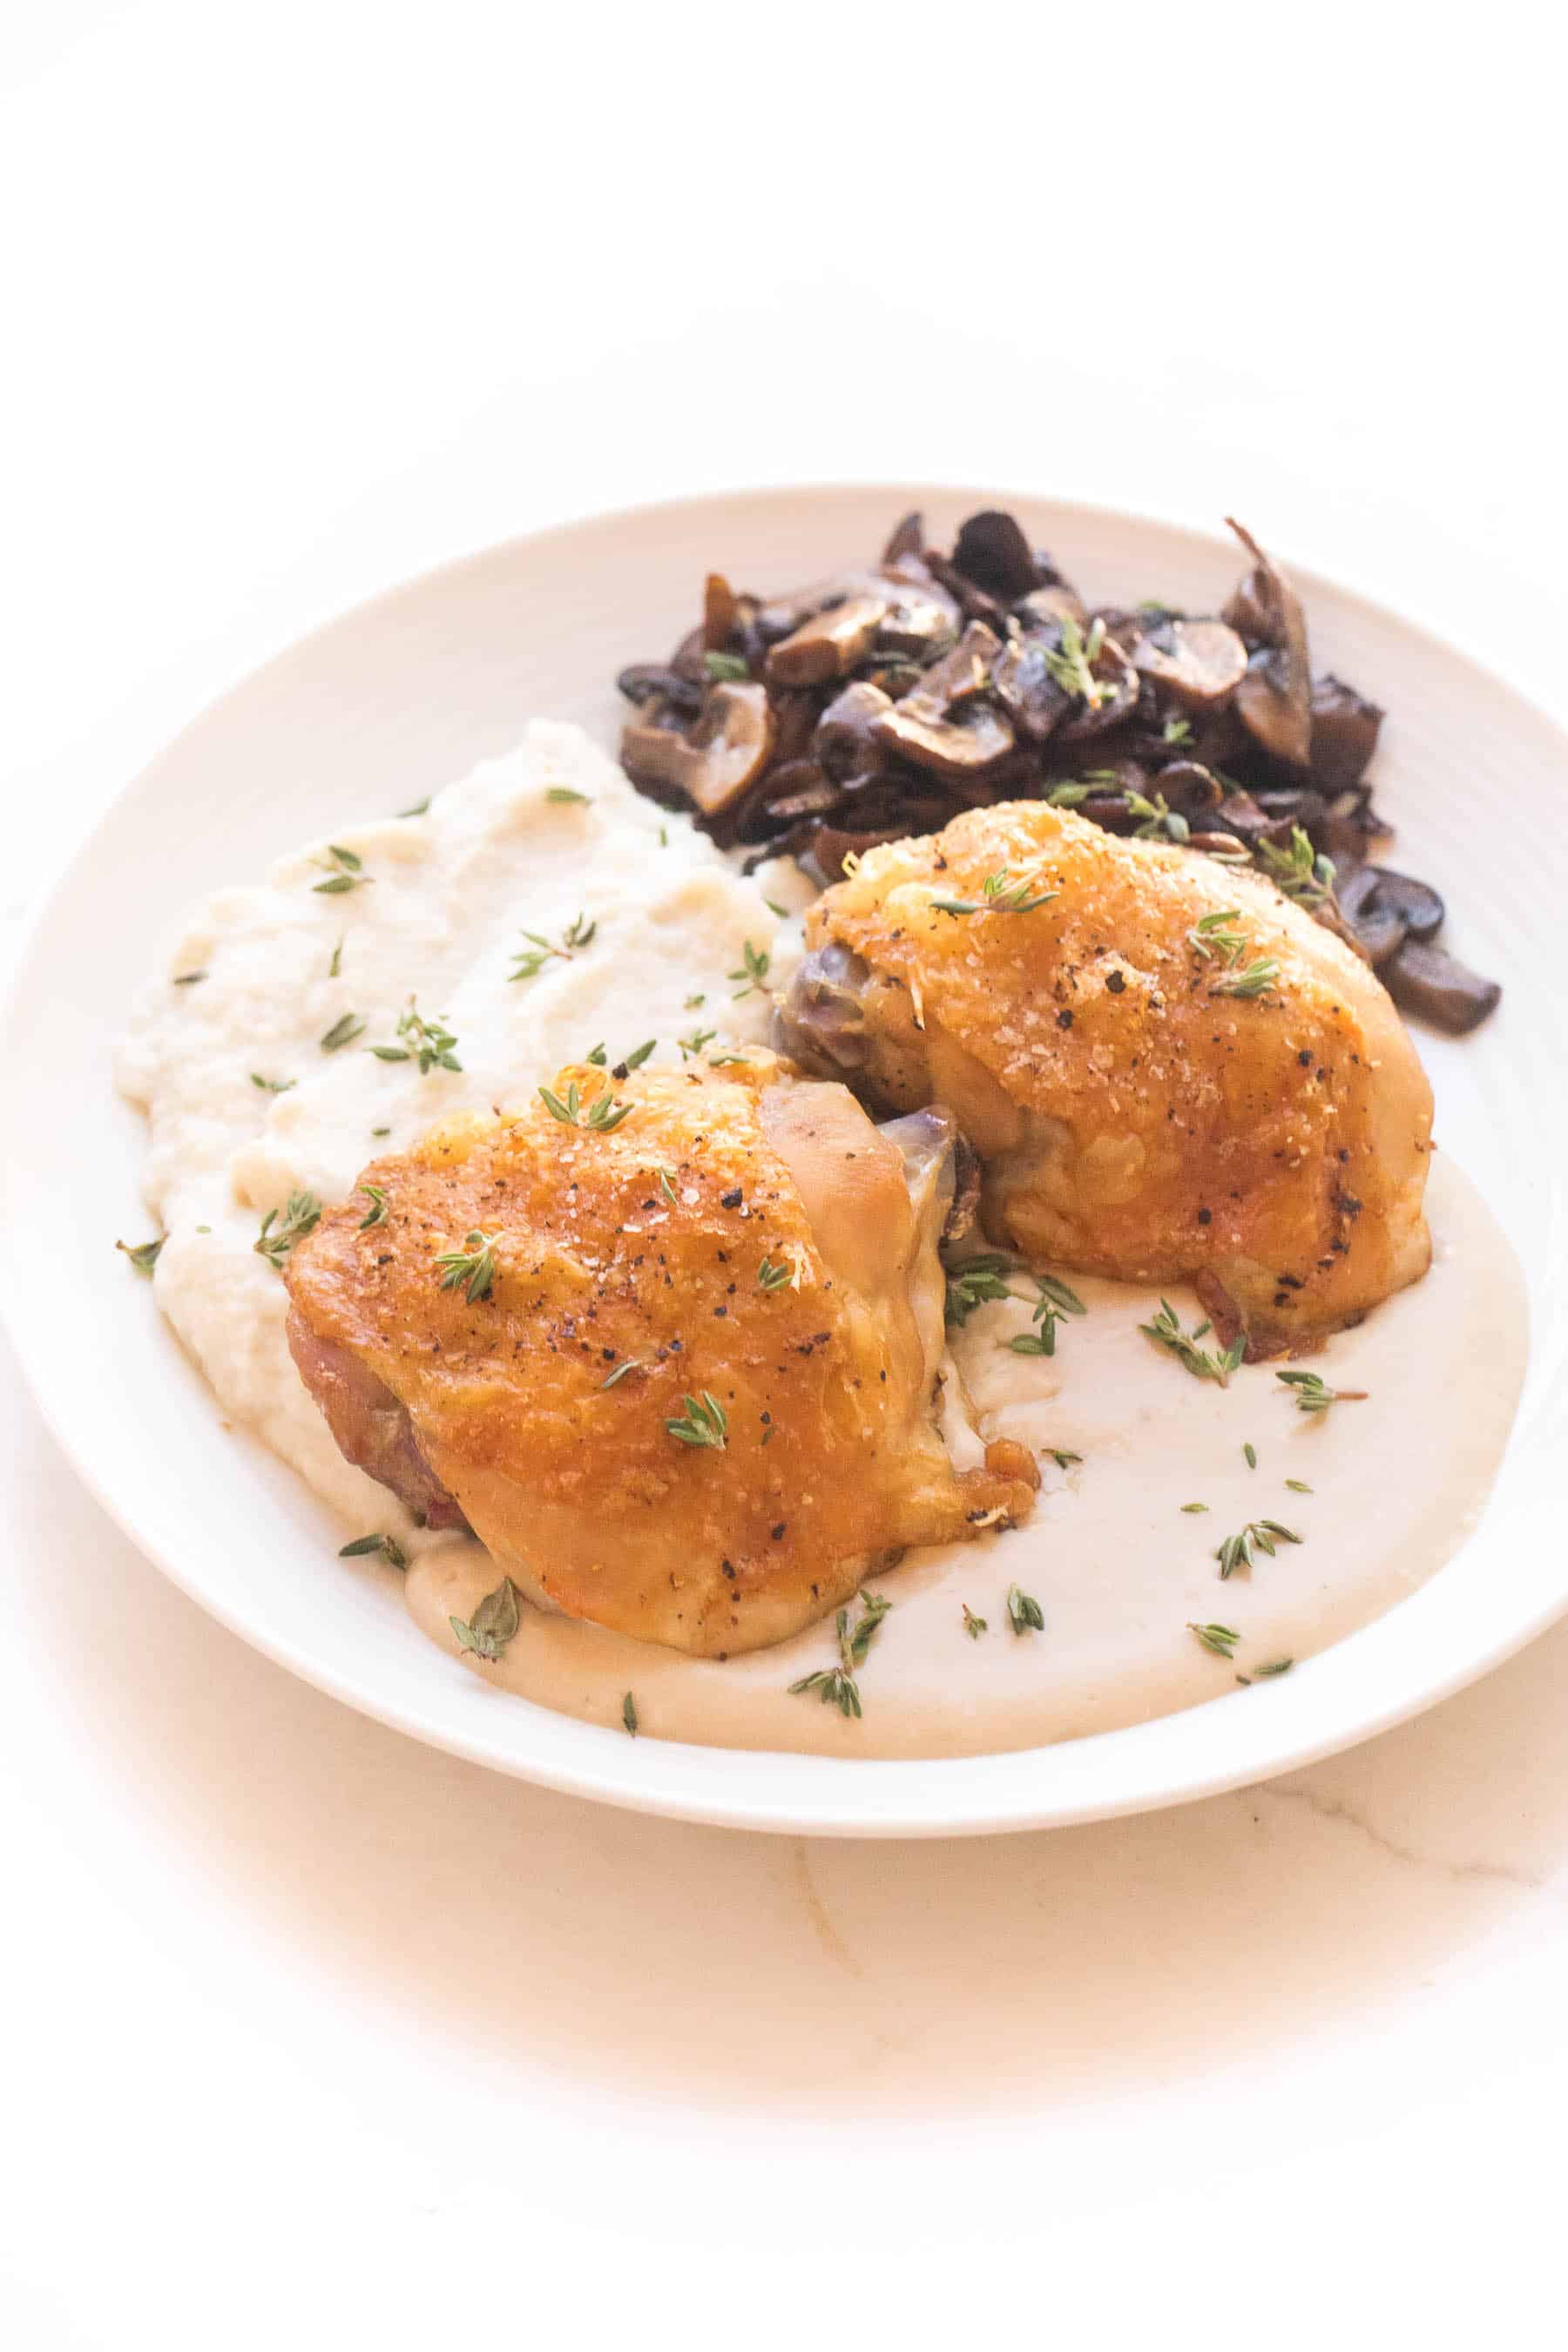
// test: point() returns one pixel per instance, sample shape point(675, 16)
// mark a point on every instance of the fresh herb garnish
point(1212, 935)
point(693, 1002)
point(725, 669)
point(562, 796)
point(1067, 795)
point(1062, 1458)
point(533, 959)
point(1177, 730)
point(1003, 896)
point(1071, 666)
point(1221, 1639)
point(629, 1714)
point(973, 1625)
point(636, 1058)
point(603, 1115)
point(1167, 1332)
point(692, 1046)
point(363, 1546)
point(377, 1214)
point(302, 1216)
point(1314, 1393)
point(420, 808)
point(493, 1624)
point(774, 1277)
point(188, 979)
point(336, 965)
point(346, 871)
point(704, 1422)
point(272, 1086)
point(144, 1255)
point(342, 1032)
point(473, 1267)
point(429, 1042)
point(975, 1282)
point(596, 1057)
point(1155, 818)
point(1250, 1455)
point(1191, 1507)
point(1260, 976)
point(727, 1061)
point(835, 1688)
point(1236, 1551)
point(1275, 1666)
point(854, 1640)
point(1024, 1613)
point(631, 1365)
point(753, 969)
point(1298, 1485)
point(667, 1186)
point(1299, 871)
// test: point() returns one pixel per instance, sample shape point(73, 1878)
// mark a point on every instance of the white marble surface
point(317, 2037)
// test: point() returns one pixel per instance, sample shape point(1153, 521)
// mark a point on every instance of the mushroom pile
point(877, 703)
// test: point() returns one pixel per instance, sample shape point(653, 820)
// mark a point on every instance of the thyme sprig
point(428, 1041)
point(1072, 664)
point(771, 1277)
point(1314, 1393)
point(376, 1213)
point(472, 1268)
point(1259, 977)
point(752, 971)
point(973, 1625)
point(363, 1546)
point(1024, 1613)
point(1001, 895)
point(302, 1216)
point(1237, 1551)
point(1299, 871)
point(691, 1047)
point(531, 960)
point(1167, 1332)
point(493, 1624)
point(144, 1255)
point(834, 1687)
point(345, 871)
point(704, 1422)
point(1221, 1639)
point(854, 1640)
point(343, 1031)
point(1212, 935)
point(1157, 819)
point(602, 1116)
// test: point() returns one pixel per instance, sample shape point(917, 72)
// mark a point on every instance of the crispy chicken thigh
point(744, 1258)
point(1074, 999)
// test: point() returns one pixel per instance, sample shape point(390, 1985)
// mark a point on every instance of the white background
point(314, 2037)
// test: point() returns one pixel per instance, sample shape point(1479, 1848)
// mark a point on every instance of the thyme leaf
point(1024, 1613)
point(973, 1625)
point(302, 1216)
point(363, 1546)
point(629, 1713)
point(376, 1213)
point(1167, 1332)
point(752, 971)
point(1314, 1393)
point(472, 1268)
point(342, 1032)
point(144, 1255)
point(704, 1422)
point(493, 1624)
point(1221, 1639)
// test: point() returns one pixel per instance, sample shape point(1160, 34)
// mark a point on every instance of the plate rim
point(861, 1789)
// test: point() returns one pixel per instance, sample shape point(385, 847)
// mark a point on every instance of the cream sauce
point(553, 832)
point(1118, 1568)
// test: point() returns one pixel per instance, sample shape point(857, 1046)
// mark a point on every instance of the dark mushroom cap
point(1344, 734)
point(727, 750)
point(1439, 988)
point(1274, 697)
point(991, 550)
point(1197, 661)
point(829, 645)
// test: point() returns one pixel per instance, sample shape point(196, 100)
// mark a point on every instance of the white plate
point(404, 695)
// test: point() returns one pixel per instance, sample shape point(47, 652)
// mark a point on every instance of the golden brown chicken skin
point(1135, 1117)
point(740, 1255)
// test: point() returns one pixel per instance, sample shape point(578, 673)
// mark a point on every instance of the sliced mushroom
point(728, 749)
point(909, 539)
point(965, 743)
point(1418, 904)
point(1049, 605)
point(645, 682)
point(1378, 927)
point(919, 622)
point(991, 550)
point(721, 612)
point(1344, 734)
point(845, 737)
point(1426, 981)
point(1274, 697)
point(1117, 682)
point(829, 645)
point(1023, 683)
point(1192, 789)
point(1199, 661)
